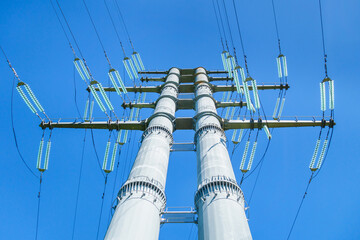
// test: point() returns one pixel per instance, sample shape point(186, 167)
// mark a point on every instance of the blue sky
point(182, 34)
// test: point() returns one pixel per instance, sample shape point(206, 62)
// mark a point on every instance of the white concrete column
point(142, 199)
point(218, 200)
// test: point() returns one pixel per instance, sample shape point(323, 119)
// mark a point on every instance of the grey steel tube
point(141, 199)
point(219, 200)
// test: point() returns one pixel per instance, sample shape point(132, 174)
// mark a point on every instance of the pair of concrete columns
point(219, 200)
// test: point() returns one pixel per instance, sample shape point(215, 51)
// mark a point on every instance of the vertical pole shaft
point(142, 199)
point(219, 200)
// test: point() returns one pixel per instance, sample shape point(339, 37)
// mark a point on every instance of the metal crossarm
point(184, 79)
point(246, 124)
point(187, 123)
point(183, 104)
point(189, 88)
point(184, 72)
point(111, 125)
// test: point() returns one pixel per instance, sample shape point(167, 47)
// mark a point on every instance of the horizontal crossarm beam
point(189, 88)
point(248, 124)
point(185, 79)
point(111, 125)
point(184, 123)
point(232, 88)
point(183, 72)
point(183, 104)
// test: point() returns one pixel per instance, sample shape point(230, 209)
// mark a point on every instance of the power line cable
point(75, 92)
point(96, 154)
point(78, 187)
point(115, 180)
point(14, 132)
point(102, 205)
point(276, 25)
point(125, 27)
point(38, 208)
point(222, 25)
point(67, 24)
point(62, 27)
point(323, 40)
point(218, 25)
point(301, 203)
point(230, 33)
point(97, 33)
point(257, 165)
point(327, 150)
point(241, 39)
point(113, 24)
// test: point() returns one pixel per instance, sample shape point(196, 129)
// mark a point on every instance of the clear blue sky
point(182, 34)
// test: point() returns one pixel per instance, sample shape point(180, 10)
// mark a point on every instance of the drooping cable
point(126, 162)
point(323, 40)
point(282, 71)
point(241, 39)
point(299, 208)
point(222, 25)
point(257, 165)
point(229, 28)
point(105, 54)
point(327, 150)
point(67, 24)
point(96, 154)
point(114, 185)
point(96, 31)
point(75, 93)
point(276, 25)
point(124, 24)
point(102, 205)
point(265, 152)
point(26, 93)
point(62, 27)
point(14, 132)
point(84, 70)
point(38, 207)
point(218, 25)
point(114, 26)
point(78, 186)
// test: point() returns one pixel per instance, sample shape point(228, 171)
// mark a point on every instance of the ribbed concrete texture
point(219, 200)
point(141, 199)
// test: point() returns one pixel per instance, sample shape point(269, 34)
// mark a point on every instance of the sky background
point(182, 34)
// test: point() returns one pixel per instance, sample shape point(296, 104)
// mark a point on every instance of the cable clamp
point(323, 123)
point(252, 124)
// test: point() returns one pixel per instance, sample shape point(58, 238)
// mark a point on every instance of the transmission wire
point(14, 132)
point(222, 25)
point(230, 33)
point(276, 25)
point(75, 95)
point(67, 24)
point(323, 40)
point(38, 208)
point(62, 27)
point(78, 187)
point(123, 21)
point(241, 39)
point(102, 205)
point(327, 150)
point(115, 180)
point(97, 33)
point(301, 203)
point(113, 24)
point(218, 25)
point(96, 154)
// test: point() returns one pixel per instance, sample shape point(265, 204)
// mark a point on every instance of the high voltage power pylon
point(219, 201)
